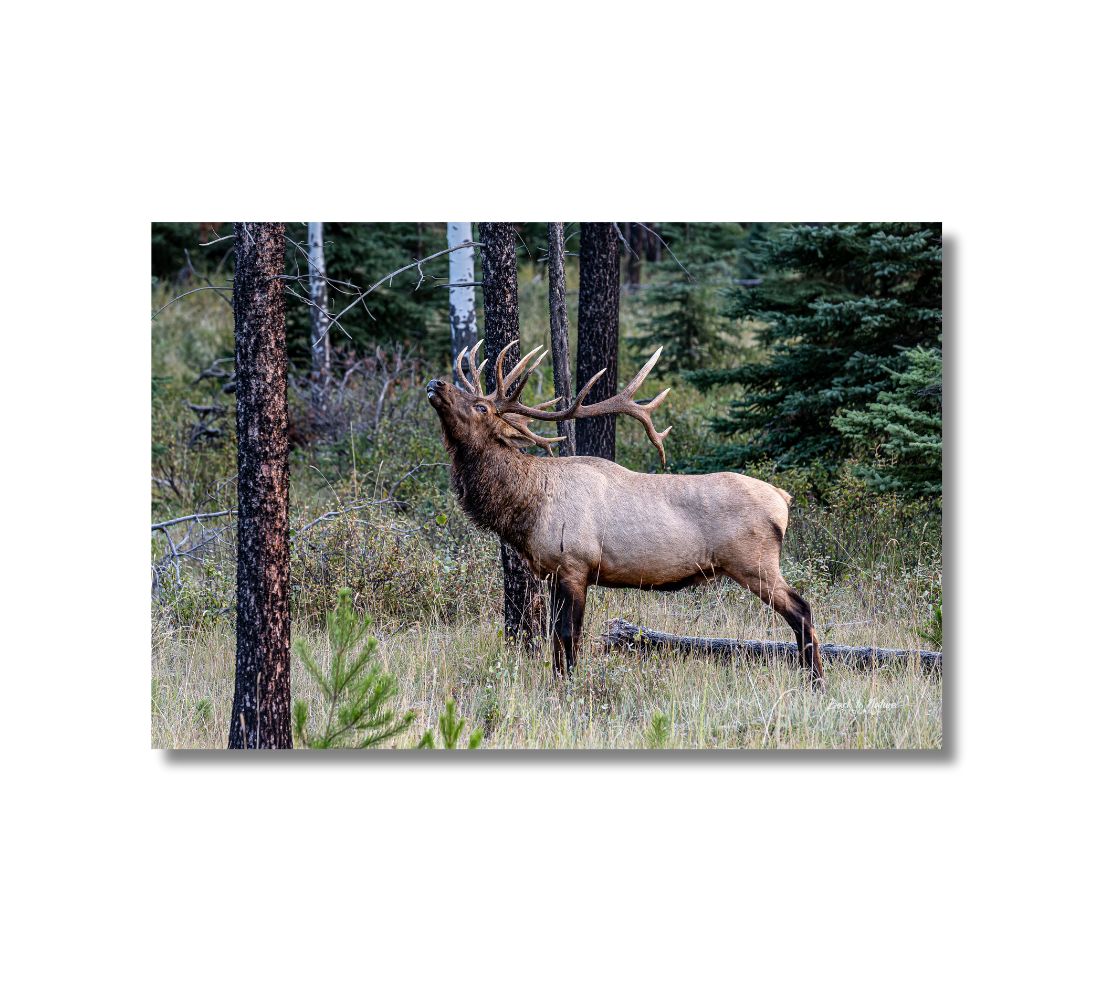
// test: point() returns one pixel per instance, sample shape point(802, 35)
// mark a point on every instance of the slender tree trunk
point(464, 322)
point(598, 331)
point(558, 322)
point(636, 238)
point(524, 604)
point(262, 713)
point(320, 320)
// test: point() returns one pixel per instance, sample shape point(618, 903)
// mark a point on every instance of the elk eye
point(481, 407)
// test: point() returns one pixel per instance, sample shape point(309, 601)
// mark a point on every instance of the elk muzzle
point(437, 392)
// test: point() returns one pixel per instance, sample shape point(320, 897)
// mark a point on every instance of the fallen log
point(621, 634)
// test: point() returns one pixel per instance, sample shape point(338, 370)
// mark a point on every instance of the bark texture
point(598, 331)
point(320, 319)
point(524, 603)
point(464, 321)
point(558, 323)
point(622, 634)
point(262, 715)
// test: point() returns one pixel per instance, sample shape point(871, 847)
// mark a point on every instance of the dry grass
point(512, 695)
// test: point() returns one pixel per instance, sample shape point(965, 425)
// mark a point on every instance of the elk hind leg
point(774, 591)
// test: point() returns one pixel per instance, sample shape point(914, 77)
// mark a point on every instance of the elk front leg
point(569, 593)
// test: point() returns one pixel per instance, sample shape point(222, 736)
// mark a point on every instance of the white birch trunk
point(320, 320)
point(464, 322)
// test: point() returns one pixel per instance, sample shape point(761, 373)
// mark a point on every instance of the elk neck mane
point(499, 488)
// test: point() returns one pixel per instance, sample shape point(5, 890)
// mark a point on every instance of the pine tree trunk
point(464, 322)
point(320, 320)
point(262, 714)
point(558, 323)
point(524, 606)
point(598, 331)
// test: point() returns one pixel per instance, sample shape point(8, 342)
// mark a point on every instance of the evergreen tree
point(899, 435)
point(685, 318)
point(682, 305)
point(840, 303)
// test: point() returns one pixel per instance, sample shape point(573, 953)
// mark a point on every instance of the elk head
point(500, 418)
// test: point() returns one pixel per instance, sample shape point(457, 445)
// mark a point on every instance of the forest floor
point(612, 699)
point(372, 511)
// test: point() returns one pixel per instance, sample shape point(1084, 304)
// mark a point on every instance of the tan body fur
point(632, 529)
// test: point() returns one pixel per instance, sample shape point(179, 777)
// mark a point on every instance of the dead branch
point(191, 291)
point(621, 634)
point(657, 236)
point(194, 517)
point(400, 270)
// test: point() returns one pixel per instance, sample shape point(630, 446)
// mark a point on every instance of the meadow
point(372, 510)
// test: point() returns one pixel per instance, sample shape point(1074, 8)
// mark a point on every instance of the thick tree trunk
point(262, 714)
point(464, 322)
point(621, 634)
point(524, 603)
point(598, 331)
point(558, 322)
point(320, 319)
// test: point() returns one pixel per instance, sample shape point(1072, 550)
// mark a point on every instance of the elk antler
point(507, 401)
point(476, 370)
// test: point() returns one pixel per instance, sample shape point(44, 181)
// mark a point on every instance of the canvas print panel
point(511, 486)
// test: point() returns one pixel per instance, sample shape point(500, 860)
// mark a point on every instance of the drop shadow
point(950, 497)
point(555, 758)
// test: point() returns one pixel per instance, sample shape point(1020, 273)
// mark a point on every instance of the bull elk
point(585, 520)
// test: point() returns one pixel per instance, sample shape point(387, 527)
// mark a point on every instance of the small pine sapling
point(658, 731)
point(357, 692)
point(451, 727)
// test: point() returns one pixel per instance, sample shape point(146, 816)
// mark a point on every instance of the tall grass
point(611, 700)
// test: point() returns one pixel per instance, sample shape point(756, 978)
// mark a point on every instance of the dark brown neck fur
point(499, 487)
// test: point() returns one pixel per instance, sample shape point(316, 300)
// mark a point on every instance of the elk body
point(584, 521)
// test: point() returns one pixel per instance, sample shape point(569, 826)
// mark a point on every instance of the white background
point(987, 869)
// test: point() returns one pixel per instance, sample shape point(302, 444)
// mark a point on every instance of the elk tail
point(787, 497)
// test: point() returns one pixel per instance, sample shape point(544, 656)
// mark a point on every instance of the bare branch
point(193, 517)
point(191, 291)
point(657, 236)
point(400, 270)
